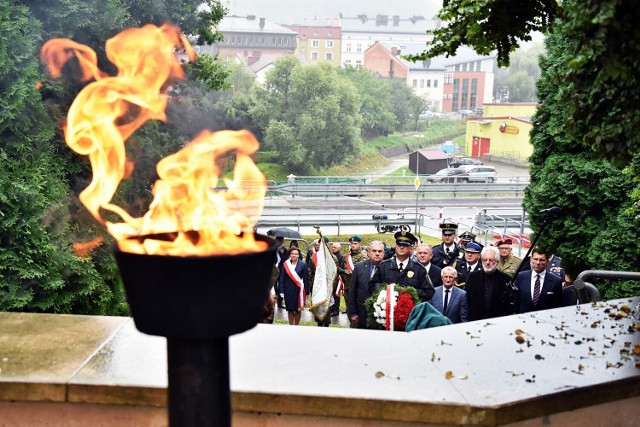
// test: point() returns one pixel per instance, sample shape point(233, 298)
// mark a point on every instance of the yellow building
point(318, 44)
point(502, 131)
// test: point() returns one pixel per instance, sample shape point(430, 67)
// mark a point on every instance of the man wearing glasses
point(486, 288)
point(508, 262)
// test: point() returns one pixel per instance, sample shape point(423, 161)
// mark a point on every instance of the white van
point(480, 173)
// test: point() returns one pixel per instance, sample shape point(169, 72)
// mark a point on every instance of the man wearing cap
point(508, 262)
point(354, 256)
point(466, 237)
point(402, 271)
point(471, 262)
point(448, 251)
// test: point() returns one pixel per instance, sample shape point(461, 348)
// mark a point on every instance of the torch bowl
point(197, 298)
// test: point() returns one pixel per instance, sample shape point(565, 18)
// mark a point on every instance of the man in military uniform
point(402, 271)
point(555, 266)
point(466, 237)
point(354, 256)
point(508, 262)
point(448, 251)
point(471, 263)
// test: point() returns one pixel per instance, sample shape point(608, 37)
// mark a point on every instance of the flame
point(188, 215)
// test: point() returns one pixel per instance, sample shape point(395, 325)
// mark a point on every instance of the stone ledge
point(572, 359)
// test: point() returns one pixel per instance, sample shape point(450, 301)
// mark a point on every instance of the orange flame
point(188, 216)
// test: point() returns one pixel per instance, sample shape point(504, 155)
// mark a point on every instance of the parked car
point(476, 173)
point(465, 161)
point(449, 175)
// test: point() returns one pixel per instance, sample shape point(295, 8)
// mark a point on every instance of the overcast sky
point(295, 11)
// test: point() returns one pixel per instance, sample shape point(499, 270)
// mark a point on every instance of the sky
point(295, 11)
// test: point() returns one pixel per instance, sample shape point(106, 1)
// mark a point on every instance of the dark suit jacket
point(499, 303)
point(456, 310)
point(435, 274)
point(550, 292)
point(413, 275)
point(361, 288)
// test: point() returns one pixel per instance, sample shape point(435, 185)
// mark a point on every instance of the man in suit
point(423, 256)
point(487, 292)
point(402, 270)
point(538, 289)
point(450, 300)
point(470, 263)
point(363, 280)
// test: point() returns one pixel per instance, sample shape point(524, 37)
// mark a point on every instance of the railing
point(368, 189)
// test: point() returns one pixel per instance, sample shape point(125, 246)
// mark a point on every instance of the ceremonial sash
point(349, 262)
point(340, 288)
point(293, 275)
point(389, 308)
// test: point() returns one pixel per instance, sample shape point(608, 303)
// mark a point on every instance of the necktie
point(447, 249)
point(536, 290)
point(446, 299)
point(400, 267)
point(373, 271)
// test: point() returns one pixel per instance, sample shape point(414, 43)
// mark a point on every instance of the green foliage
point(210, 71)
point(309, 115)
point(488, 25)
point(603, 69)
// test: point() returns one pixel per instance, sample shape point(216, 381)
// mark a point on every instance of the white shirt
point(533, 281)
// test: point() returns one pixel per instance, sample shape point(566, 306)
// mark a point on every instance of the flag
point(321, 293)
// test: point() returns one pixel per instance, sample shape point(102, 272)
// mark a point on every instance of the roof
point(251, 24)
point(433, 154)
point(386, 24)
point(316, 32)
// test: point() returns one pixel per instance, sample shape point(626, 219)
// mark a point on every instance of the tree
point(521, 75)
point(401, 105)
point(313, 106)
point(38, 269)
point(374, 93)
point(585, 136)
point(488, 25)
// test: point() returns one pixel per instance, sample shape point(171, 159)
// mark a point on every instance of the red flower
point(402, 310)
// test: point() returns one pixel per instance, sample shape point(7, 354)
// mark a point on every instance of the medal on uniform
point(410, 274)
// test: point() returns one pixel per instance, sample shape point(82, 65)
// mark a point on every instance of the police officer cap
point(468, 236)
point(405, 238)
point(473, 247)
point(449, 228)
point(355, 239)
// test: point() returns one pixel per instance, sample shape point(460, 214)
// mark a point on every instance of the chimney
point(396, 20)
point(391, 68)
point(394, 51)
point(262, 23)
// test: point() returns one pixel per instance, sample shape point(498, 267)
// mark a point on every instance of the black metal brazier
point(197, 303)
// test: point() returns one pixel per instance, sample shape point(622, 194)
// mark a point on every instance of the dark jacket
point(498, 301)
point(550, 292)
point(413, 275)
point(362, 286)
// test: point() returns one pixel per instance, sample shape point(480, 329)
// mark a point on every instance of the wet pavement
point(340, 321)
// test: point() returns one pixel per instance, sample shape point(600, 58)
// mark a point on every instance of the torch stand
point(198, 303)
point(199, 389)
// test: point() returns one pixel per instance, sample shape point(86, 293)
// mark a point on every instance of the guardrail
point(386, 223)
point(368, 189)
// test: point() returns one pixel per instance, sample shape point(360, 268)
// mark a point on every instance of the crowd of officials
point(460, 278)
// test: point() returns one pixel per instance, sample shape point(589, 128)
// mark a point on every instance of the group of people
point(296, 273)
point(462, 279)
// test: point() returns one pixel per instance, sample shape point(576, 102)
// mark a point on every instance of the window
point(328, 44)
point(348, 47)
point(347, 62)
point(358, 47)
point(315, 43)
point(415, 82)
point(474, 93)
point(358, 64)
point(328, 56)
point(465, 94)
point(478, 65)
point(285, 42)
point(435, 83)
point(454, 96)
point(421, 82)
point(429, 83)
point(314, 56)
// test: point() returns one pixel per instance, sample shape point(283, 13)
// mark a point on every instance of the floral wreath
point(402, 300)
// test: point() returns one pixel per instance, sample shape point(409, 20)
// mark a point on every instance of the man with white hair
point(486, 288)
